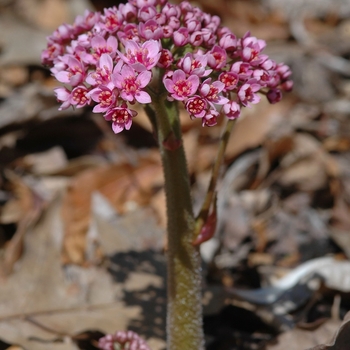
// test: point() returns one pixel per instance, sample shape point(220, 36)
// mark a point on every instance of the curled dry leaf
point(341, 340)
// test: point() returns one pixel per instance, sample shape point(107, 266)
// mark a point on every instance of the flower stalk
point(184, 313)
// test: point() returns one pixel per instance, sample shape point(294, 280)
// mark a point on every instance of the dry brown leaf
point(120, 184)
point(63, 301)
point(255, 125)
point(298, 339)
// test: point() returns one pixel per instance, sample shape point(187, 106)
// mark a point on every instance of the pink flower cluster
point(111, 60)
point(125, 340)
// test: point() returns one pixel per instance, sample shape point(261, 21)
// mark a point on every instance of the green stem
point(210, 196)
point(184, 314)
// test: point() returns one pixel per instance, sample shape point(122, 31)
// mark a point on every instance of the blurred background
point(82, 213)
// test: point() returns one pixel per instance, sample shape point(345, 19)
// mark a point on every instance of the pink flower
point(166, 59)
point(274, 96)
point(196, 38)
point(181, 37)
point(141, 57)
point(181, 87)
point(130, 84)
point(232, 110)
point(49, 55)
point(103, 73)
point(210, 91)
point(123, 340)
point(79, 96)
point(130, 32)
point(195, 65)
point(74, 74)
point(151, 30)
point(211, 118)
point(100, 46)
point(128, 11)
point(111, 19)
point(171, 10)
point(262, 76)
point(105, 98)
point(228, 42)
point(243, 70)
point(146, 13)
point(63, 95)
point(246, 93)
point(87, 21)
point(217, 57)
point(121, 118)
point(229, 79)
point(196, 106)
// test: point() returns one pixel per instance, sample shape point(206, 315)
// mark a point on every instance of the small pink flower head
point(229, 79)
point(243, 70)
point(49, 55)
point(74, 74)
point(196, 106)
point(150, 30)
point(146, 13)
point(196, 38)
point(283, 71)
point(274, 96)
point(171, 10)
point(262, 76)
point(194, 25)
point(100, 46)
point(217, 57)
point(175, 24)
point(111, 20)
point(123, 340)
point(228, 42)
point(130, 84)
point(195, 64)
point(232, 110)
point(166, 59)
point(130, 32)
point(62, 34)
point(87, 21)
point(211, 118)
point(180, 87)
point(251, 41)
point(141, 57)
point(181, 37)
point(211, 91)
point(128, 11)
point(79, 96)
point(63, 95)
point(104, 97)
point(121, 118)
point(103, 72)
point(247, 93)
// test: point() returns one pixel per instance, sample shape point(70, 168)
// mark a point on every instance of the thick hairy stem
point(184, 314)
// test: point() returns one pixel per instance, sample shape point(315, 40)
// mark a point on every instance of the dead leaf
point(43, 306)
point(253, 127)
point(120, 184)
